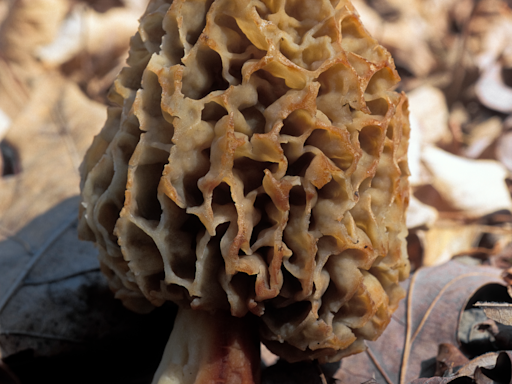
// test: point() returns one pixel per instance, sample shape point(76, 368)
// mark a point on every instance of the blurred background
point(58, 59)
point(455, 60)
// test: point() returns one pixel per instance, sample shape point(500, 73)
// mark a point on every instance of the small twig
point(380, 368)
point(41, 335)
point(62, 278)
point(56, 280)
point(7, 375)
point(320, 372)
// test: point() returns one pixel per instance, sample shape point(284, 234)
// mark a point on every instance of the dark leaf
point(449, 358)
point(502, 371)
point(428, 317)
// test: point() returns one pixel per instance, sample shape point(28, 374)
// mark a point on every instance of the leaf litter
point(500, 312)
point(428, 317)
point(454, 57)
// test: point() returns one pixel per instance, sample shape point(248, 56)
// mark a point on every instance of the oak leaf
point(429, 316)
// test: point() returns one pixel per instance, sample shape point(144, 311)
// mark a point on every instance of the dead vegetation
point(58, 59)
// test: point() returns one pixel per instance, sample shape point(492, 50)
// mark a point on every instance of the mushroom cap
point(256, 162)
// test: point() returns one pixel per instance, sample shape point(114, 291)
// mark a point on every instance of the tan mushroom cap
point(257, 162)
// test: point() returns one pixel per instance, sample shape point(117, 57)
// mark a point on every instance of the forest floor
point(455, 60)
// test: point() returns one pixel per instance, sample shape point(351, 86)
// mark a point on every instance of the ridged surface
point(257, 162)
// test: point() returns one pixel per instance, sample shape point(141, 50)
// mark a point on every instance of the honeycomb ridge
point(256, 162)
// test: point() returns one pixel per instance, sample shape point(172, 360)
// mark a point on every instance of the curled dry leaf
point(84, 30)
point(28, 25)
point(489, 368)
point(447, 239)
point(476, 332)
point(475, 186)
point(489, 37)
point(449, 358)
point(486, 369)
point(500, 312)
point(485, 360)
point(419, 214)
point(409, 346)
point(489, 32)
point(492, 90)
point(389, 21)
point(267, 358)
point(482, 136)
point(500, 373)
point(442, 242)
point(428, 106)
point(25, 26)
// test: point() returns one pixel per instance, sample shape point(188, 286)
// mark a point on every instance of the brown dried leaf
point(475, 186)
point(389, 21)
point(84, 30)
point(51, 137)
point(500, 312)
point(448, 238)
point(443, 241)
point(429, 317)
point(490, 31)
point(482, 136)
point(492, 90)
point(502, 370)
point(428, 106)
point(489, 368)
point(26, 26)
point(449, 357)
point(441, 380)
point(419, 214)
point(485, 360)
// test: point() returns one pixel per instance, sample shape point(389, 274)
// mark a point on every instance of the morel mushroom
point(254, 173)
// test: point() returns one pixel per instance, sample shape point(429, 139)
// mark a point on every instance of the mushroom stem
point(211, 348)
